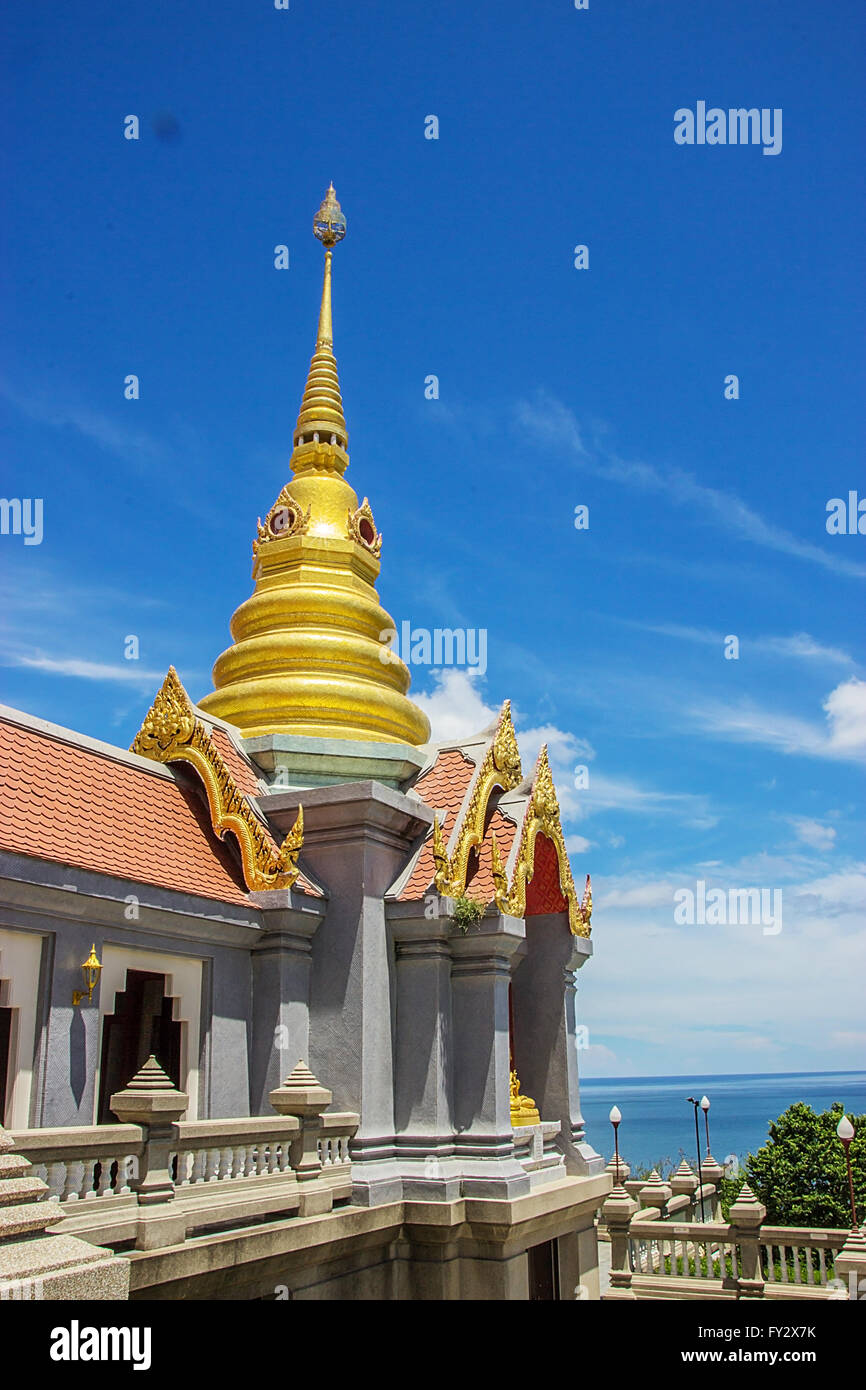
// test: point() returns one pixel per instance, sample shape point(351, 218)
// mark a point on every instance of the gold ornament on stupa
point(310, 653)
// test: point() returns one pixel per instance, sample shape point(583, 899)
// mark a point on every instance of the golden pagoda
point(310, 655)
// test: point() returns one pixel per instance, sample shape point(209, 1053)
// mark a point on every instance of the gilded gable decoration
point(286, 518)
point(362, 528)
point(172, 733)
point(501, 768)
point(541, 818)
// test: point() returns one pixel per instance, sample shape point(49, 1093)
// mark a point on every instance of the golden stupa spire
point(310, 654)
point(321, 415)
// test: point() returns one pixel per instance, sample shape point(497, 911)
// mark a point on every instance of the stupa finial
point(321, 415)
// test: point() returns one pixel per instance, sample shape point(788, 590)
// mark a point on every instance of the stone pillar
point(746, 1216)
point(301, 1095)
point(850, 1266)
point(713, 1173)
point(152, 1101)
point(35, 1265)
point(281, 965)
point(357, 837)
point(544, 997)
point(480, 978)
point(618, 1210)
point(423, 1061)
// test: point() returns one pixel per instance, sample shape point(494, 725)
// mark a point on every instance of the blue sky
point(558, 387)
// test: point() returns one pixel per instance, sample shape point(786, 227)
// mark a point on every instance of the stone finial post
point(655, 1193)
point(684, 1183)
point(713, 1173)
point(850, 1265)
point(618, 1210)
point(619, 1175)
point(35, 1265)
point(746, 1216)
point(154, 1102)
point(302, 1095)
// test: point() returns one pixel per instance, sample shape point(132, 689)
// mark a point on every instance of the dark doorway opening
point(543, 1272)
point(141, 1025)
point(5, 1058)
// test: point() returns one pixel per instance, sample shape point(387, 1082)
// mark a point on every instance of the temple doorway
point(142, 1024)
point(543, 1272)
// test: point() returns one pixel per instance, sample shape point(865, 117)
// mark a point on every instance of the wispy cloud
point(123, 440)
point(800, 646)
point(124, 672)
point(841, 738)
point(813, 832)
point(546, 419)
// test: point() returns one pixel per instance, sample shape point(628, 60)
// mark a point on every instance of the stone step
point(14, 1190)
point(32, 1216)
point(14, 1166)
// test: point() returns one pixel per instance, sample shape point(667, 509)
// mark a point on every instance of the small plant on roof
point(468, 911)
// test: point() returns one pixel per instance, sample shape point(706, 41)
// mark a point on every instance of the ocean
point(657, 1123)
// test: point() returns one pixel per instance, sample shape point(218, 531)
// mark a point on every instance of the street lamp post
point(705, 1106)
point(615, 1117)
point(691, 1100)
point(845, 1132)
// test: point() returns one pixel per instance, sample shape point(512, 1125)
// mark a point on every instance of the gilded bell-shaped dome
point(310, 651)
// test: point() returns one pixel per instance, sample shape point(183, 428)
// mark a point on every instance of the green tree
point(800, 1174)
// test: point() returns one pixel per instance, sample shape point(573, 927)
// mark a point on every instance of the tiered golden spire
point(321, 412)
point(310, 655)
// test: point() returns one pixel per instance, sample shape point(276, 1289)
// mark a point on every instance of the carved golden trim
point(172, 733)
point(541, 818)
point(286, 518)
point(354, 530)
point(500, 767)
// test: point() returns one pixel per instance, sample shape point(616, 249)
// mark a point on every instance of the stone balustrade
point(155, 1179)
point(655, 1255)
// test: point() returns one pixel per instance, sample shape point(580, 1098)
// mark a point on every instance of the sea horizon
point(658, 1124)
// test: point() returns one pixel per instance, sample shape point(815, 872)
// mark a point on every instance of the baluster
point(239, 1155)
point(55, 1174)
point(795, 1251)
point(783, 1255)
point(104, 1179)
point(810, 1270)
point(822, 1264)
point(123, 1175)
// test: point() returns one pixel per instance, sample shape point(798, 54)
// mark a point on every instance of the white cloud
point(576, 844)
point(454, 706)
point(843, 737)
point(813, 832)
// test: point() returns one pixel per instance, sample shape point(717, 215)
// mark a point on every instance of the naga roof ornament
point(172, 733)
point(541, 818)
point(500, 767)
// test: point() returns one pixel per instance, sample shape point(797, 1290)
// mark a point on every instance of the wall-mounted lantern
point(91, 969)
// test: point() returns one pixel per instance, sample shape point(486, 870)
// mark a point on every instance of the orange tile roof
point(480, 883)
point(74, 805)
point(442, 787)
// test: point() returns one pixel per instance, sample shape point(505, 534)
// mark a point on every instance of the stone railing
point(654, 1255)
point(155, 1179)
